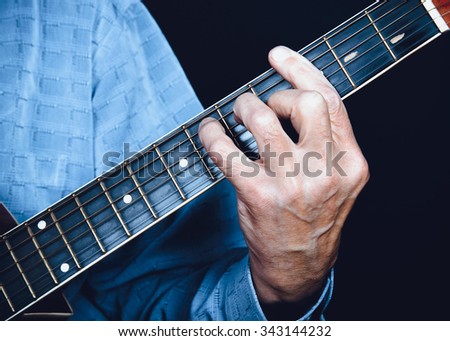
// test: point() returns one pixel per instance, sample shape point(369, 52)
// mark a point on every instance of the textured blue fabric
point(79, 79)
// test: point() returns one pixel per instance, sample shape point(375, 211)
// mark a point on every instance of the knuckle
point(264, 122)
point(309, 99)
point(242, 100)
point(360, 172)
point(332, 99)
point(314, 97)
point(364, 171)
point(294, 68)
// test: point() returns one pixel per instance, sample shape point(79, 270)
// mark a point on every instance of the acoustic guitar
point(42, 254)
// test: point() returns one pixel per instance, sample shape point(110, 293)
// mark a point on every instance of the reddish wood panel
point(443, 7)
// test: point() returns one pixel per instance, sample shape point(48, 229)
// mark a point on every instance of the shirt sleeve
point(234, 297)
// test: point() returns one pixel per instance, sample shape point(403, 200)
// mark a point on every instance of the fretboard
point(43, 253)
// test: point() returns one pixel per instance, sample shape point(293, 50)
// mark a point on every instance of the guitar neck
point(48, 250)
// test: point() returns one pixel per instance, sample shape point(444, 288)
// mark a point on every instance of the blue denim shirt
point(79, 79)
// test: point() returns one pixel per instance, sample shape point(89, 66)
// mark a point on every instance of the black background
point(394, 257)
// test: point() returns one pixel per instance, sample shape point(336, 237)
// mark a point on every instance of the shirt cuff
point(245, 305)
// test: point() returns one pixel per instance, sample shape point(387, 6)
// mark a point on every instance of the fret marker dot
point(127, 199)
point(183, 163)
point(350, 56)
point(396, 39)
point(64, 267)
point(42, 225)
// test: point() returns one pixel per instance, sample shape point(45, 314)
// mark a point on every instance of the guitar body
point(53, 307)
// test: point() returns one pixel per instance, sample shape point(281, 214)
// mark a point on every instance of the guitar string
point(382, 42)
point(319, 42)
point(76, 209)
point(382, 54)
point(194, 151)
point(114, 215)
point(127, 178)
point(354, 60)
point(252, 141)
point(188, 192)
point(50, 284)
point(311, 49)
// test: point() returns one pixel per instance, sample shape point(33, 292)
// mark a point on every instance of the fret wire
point(113, 206)
point(392, 35)
point(136, 182)
point(97, 212)
point(326, 66)
point(268, 75)
point(198, 152)
point(361, 43)
point(318, 42)
point(340, 63)
point(98, 195)
point(159, 186)
point(363, 67)
point(19, 267)
point(272, 71)
point(221, 115)
point(355, 20)
point(416, 31)
point(136, 217)
point(252, 90)
point(341, 82)
point(430, 22)
point(101, 210)
point(144, 193)
point(3, 290)
point(252, 141)
point(266, 89)
point(222, 118)
point(381, 36)
point(263, 79)
point(58, 227)
point(370, 37)
point(36, 244)
point(175, 182)
point(91, 228)
point(355, 33)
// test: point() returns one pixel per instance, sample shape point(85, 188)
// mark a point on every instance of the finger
point(262, 122)
point(303, 75)
point(296, 69)
point(308, 112)
point(222, 151)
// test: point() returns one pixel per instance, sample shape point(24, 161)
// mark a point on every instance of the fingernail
point(280, 54)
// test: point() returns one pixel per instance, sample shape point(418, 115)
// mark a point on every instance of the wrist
point(280, 283)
